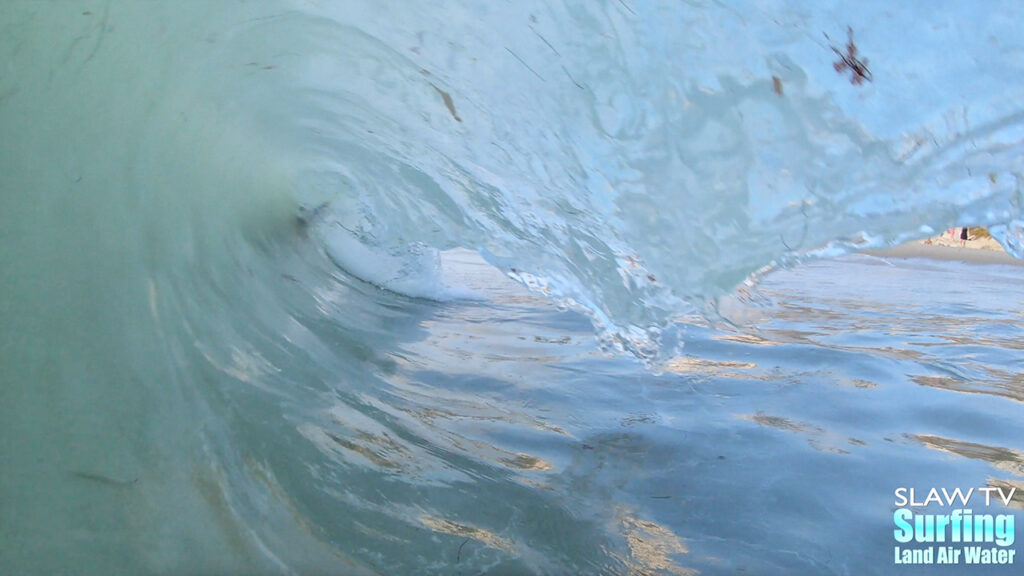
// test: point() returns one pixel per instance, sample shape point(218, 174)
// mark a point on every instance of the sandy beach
point(979, 250)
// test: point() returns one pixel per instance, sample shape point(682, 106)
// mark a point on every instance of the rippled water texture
point(464, 288)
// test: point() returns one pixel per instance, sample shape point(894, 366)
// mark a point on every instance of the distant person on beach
point(952, 232)
point(963, 237)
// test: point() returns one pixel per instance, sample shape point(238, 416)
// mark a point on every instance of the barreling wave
point(205, 189)
point(635, 161)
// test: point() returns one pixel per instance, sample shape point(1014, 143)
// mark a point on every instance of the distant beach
point(980, 249)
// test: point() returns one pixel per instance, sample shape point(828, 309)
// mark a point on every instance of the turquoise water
point(498, 289)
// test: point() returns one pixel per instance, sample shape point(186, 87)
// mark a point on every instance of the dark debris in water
point(849, 60)
point(104, 479)
point(448, 103)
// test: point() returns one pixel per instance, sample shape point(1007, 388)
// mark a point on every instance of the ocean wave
point(268, 195)
point(638, 163)
point(635, 161)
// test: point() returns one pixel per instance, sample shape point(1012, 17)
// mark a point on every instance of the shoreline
point(940, 252)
